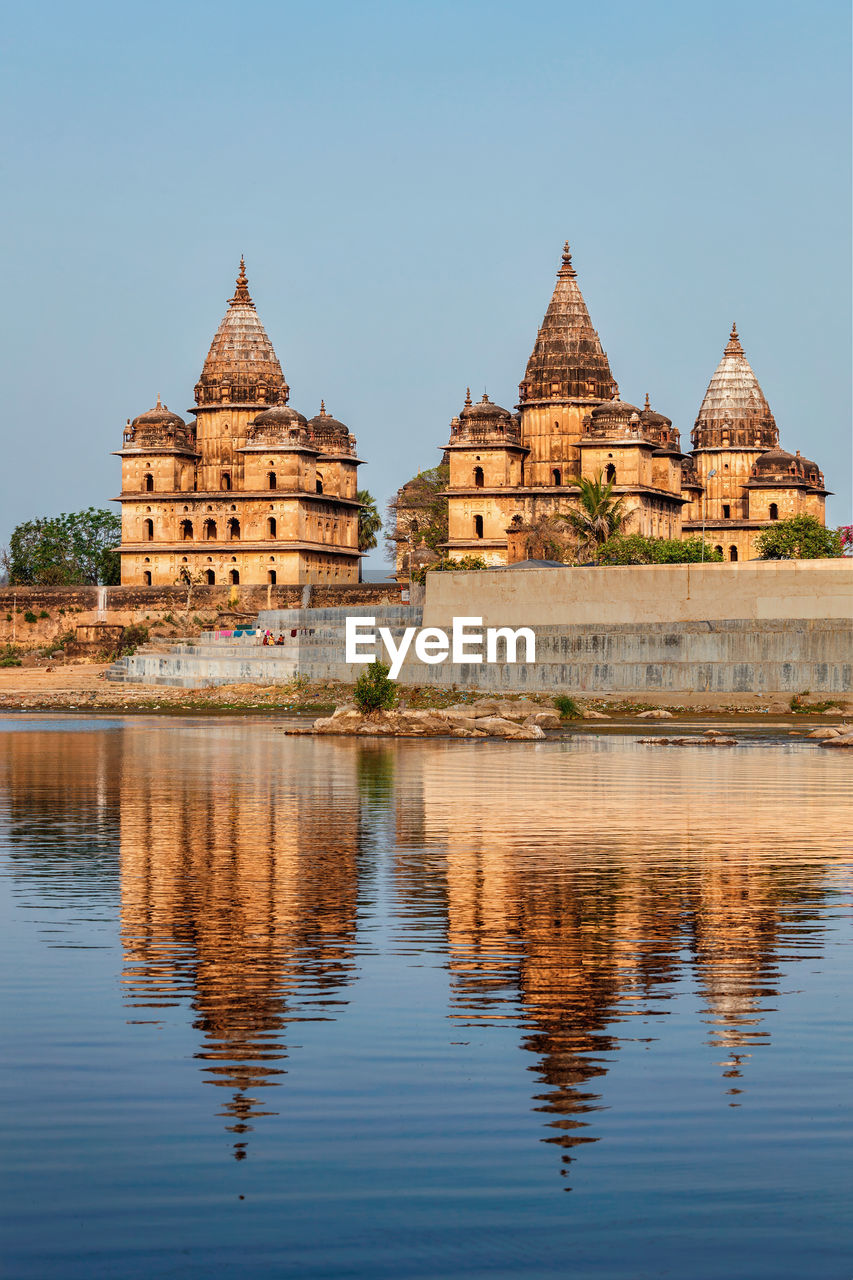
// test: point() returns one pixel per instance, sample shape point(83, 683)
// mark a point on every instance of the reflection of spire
point(246, 908)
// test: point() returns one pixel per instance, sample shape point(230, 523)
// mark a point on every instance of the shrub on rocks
point(374, 691)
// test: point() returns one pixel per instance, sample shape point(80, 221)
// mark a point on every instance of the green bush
point(131, 638)
point(373, 689)
point(170, 618)
point(567, 707)
point(799, 538)
point(635, 548)
point(9, 657)
point(29, 616)
point(44, 614)
point(67, 637)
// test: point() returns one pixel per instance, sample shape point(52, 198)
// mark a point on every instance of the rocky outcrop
point(475, 720)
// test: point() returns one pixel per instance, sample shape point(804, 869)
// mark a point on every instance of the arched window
point(774, 511)
point(610, 473)
point(146, 578)
point(478, 526)
point(149, 482)
point(271, 480)
point(209, 530)
point(319, 485)
point(210, 577)
point(733, 553)
point(225, 481)
point(186, 530)
point(233, 530)
point(234, 577)
point(478, 477)
point(720, 549)
point(148, 530)
point(556, 476)
point(271, 526)
point(271, 577)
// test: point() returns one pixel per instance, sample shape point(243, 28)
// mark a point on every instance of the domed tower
point(733, 430)
point(638, 452)
point(486, 459)
point(158, 460)
point(241, 376)
point(568, 373)
point(252, 493)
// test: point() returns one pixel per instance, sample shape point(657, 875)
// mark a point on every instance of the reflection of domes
point(484, 411)
point(280, 415)
point(159, 416)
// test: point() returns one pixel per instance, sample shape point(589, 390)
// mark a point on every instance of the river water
point(281, 1006)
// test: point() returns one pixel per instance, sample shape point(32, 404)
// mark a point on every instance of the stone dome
point(615, 410)
point(484, 411)
point(280, 415)
point(778, 464)
point(160, 416)
point(324, 424)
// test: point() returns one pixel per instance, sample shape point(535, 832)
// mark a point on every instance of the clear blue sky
point(400, 177)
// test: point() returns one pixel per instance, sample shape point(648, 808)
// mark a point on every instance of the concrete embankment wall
point(639, 595)
point(732, 646)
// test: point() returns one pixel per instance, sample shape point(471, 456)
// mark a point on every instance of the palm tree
point(598, 517)
point(369, 523)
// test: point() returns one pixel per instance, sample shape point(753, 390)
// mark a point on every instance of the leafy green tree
point(637, 549)
point(369, 521)
point(418, 514)
point(374, 691)
point(799, 538)
point(598, 516)
point(66, 550)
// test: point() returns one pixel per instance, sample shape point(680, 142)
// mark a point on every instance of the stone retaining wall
point(69, 606)
point(783, 656)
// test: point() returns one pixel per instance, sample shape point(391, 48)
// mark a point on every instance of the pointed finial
point(159, 406)
point(733, 346)
point(467, 395)
point(567, 269)
point(241, 293)
point(322, 406)
point(485, 399)
point(647, 405)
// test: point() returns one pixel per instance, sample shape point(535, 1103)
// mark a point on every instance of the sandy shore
point(82, 687)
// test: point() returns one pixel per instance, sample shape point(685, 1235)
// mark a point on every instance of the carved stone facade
point(744, 481)
point(250, 492)
point(509, 473)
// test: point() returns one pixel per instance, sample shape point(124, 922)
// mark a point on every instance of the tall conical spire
point(568, 362)
point(735, 410)
point(241, 365)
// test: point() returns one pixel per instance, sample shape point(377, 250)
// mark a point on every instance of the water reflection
point(239, 891)
point(578, 893)
point(601, 882)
